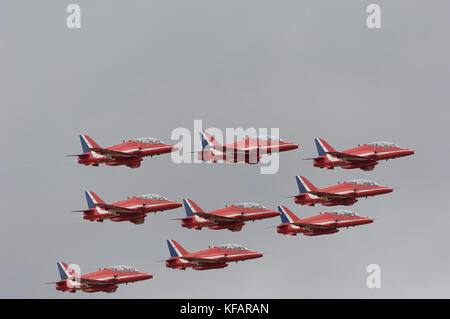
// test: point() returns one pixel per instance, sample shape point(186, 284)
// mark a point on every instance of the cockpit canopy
point(250, 205)
point(123, 268)
point(343, 212)
point(269, 138)
point(149, 140)
point(152, 196)
point(232, 246)
point(362, 182)
point(384, 144)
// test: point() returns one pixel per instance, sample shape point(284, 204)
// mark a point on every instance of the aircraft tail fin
point(286, 215)
point(323, 147)
point(209, 140)
point(93, 199)
point(191, 208)
point(175, 249)
point(205, 143)
point(65, 272)
point(87, 143)
point(304, 185)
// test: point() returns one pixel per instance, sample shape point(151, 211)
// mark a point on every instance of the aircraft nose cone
point(258, 255)
point(368, 220)
point(388, 189)
point(176, 204)
point(175, 148)
point(146, 276)
point(275, 213)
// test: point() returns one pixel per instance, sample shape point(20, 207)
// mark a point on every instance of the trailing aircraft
point(107, 279)
point(320, 224)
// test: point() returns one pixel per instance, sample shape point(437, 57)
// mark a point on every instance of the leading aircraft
point(129, 153)
point(105, 280)
point(133, 209)
point(364, 156)
point(232, 217)
point(344, 193)
point(320, 224)
point(247, 151)
point(211, 258)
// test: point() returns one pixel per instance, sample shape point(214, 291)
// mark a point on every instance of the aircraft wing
point(311, 225)
point(330, 195)
point(349, 157)
point(201, 260)
point(116, 209)
point(110, 153)
point(91, 282)
point(214, 217)
point(84, 155)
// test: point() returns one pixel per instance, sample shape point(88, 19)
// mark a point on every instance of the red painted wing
point(311, 226)
point(349, 157)
point(116, 209)
point(329, 195)
point(216, 217)
point(114, 154)
point(202, 260)
point(91, 282)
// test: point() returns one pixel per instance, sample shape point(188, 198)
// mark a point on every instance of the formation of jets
point(232, 217)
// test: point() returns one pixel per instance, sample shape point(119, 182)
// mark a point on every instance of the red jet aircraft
point(128, 153)
point(341, 194)
point(133, 209)
point(232, 217)
point(321, 224)
point(364, 156)
point(105, 280)
point(248, 150)
point(211, 258)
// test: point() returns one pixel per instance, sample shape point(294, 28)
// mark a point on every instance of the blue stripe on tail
point(84, 145)
point(173, 252)
point(187, 208)
point(89, 200)
point(62, 274)
point(320, 149)
point(204, 141)
point(283, 217)
point(300, 185)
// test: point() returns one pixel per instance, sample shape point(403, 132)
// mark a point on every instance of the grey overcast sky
point(143, 68)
